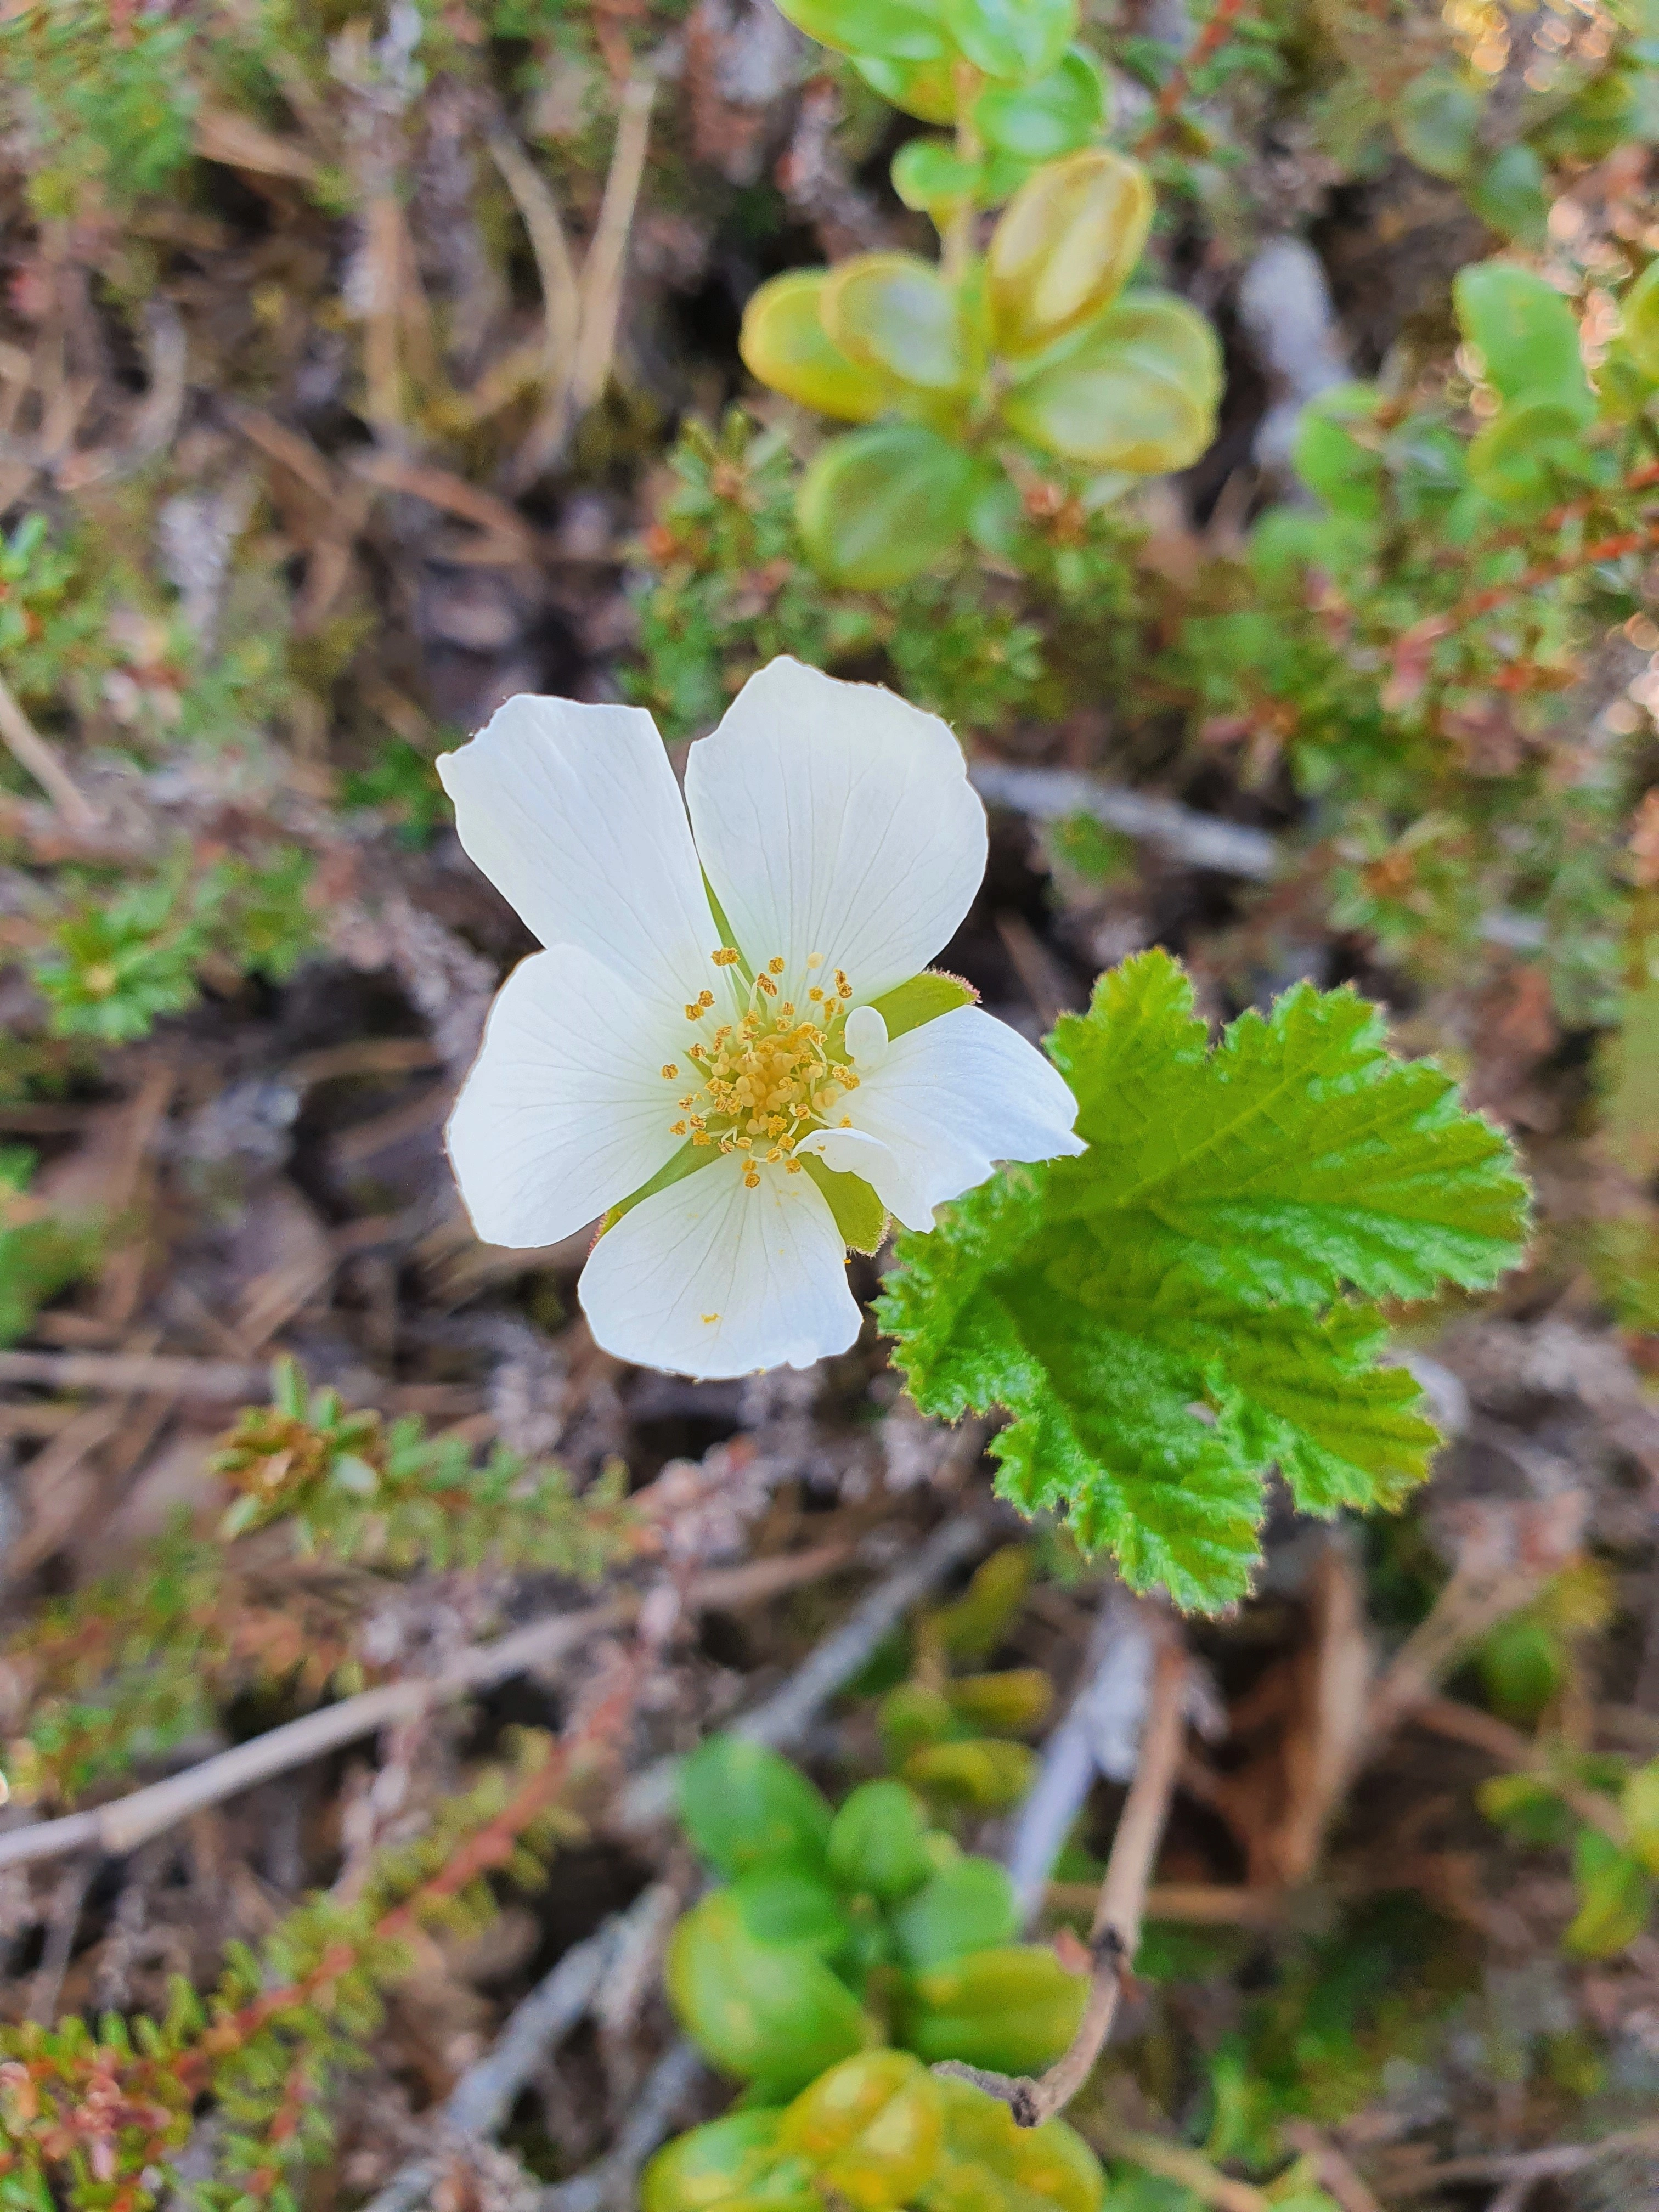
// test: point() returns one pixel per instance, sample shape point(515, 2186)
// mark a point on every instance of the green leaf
point(1437, 121)
point(784, 344)
point(931, 176)
point(878, 1843)
point(744, 1805)
point(1064, 248)
point(786, 1905)
point(1015, 39)
point(1526, 333)
point(1346, 474)
point(1639, 308)
point(880, 505)
point(1137, 391)
point(1640, 1803)
point(888, 30)
point(1508, 194)
point(1014, 2008)
point(1055, 115)
point(924, 89)
point(1615, 1896)
point(972, 1626)
point(894, 315)
point(923, 998)
point(1169, 1315)
point(1521, 456)
point(772, 2013)
point(978, 1771)
point(968, 1905)
point(858, 1214)
point(727, 2159)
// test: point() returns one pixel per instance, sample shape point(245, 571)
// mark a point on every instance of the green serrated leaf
point(1172, 1315)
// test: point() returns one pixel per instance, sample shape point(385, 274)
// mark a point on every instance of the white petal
point(849, 1151)
point(866, 1038)
point(951, 1099)
point(836, 819)
point(572, 813)
point(566, 1109)
point(708, 1278)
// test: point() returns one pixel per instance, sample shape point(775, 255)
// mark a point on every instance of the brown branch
point(1215, 34)
point(120, 1826)
point(1523, 1754)
point(1119, 1908)
point(1174, 2161)
point(36, 757)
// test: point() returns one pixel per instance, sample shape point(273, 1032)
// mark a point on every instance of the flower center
point(762, 1082)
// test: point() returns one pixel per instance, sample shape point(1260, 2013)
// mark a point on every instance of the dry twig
point(1118, 1913)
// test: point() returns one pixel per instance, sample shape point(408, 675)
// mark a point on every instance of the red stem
point(1215, 33)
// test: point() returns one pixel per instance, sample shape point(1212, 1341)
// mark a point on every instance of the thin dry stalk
point(32, 753)
point(602, 272)
point(1174, 2161)
point(1119, 1910)
point(561, 304)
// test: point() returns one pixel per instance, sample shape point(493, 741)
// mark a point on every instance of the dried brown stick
point(561, 302)
point(123, 1374)
point(36, 757)
point(1526, 2165)
point(1119, 1908)
point(123, 1825)
point(1335, 2175)
point(602, 272)
point(1174, 2161)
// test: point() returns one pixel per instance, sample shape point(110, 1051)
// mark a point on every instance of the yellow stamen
point(725, 957)
point(669, 1071)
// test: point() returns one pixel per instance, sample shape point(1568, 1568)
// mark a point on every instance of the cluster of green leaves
point(47, 615)
point(40, 1253)
point(956, 1737)
point(1446, 120)
point(1605, 1808)
point(103, 95)
point(1061, 618)
point(964, 374)
point(1412, 652)
point(837, 1932)
point(120, 1672)
point(731, 588)
point(878, 2132)
point(91, 2115)
point(1193, 1302)
point(356, 1487)
point(112, 965)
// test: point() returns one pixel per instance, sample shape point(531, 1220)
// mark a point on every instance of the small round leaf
point(784, 344)
point(1064, 248)
point(889, 30)
point(1522, 453)
point(931, 176)
point(880, 505)
point(1137, 393)
point(1640, 310)
point(895, 314)
point(765, 2012)
point(1507, 195)
point(1014, 39)
point(924, 89)
point(744, 1805)
point(1526, 333)
point(1055, 115)
point(1436, 122)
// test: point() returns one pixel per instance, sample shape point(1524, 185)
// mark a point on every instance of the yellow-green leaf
point(880, 505)
point(784, 344)
point(1137, 393)
point(925, 997)
point(895, 314)
point(859, 1215)
point(1064, 248)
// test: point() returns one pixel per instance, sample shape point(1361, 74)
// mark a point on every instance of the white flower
point(704, 1012)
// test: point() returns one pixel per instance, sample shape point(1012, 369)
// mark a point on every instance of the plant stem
point(1118, 1909)
point(1215, 34)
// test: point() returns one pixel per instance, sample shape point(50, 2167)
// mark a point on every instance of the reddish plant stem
point(1214, 35)
point(1542, 572)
